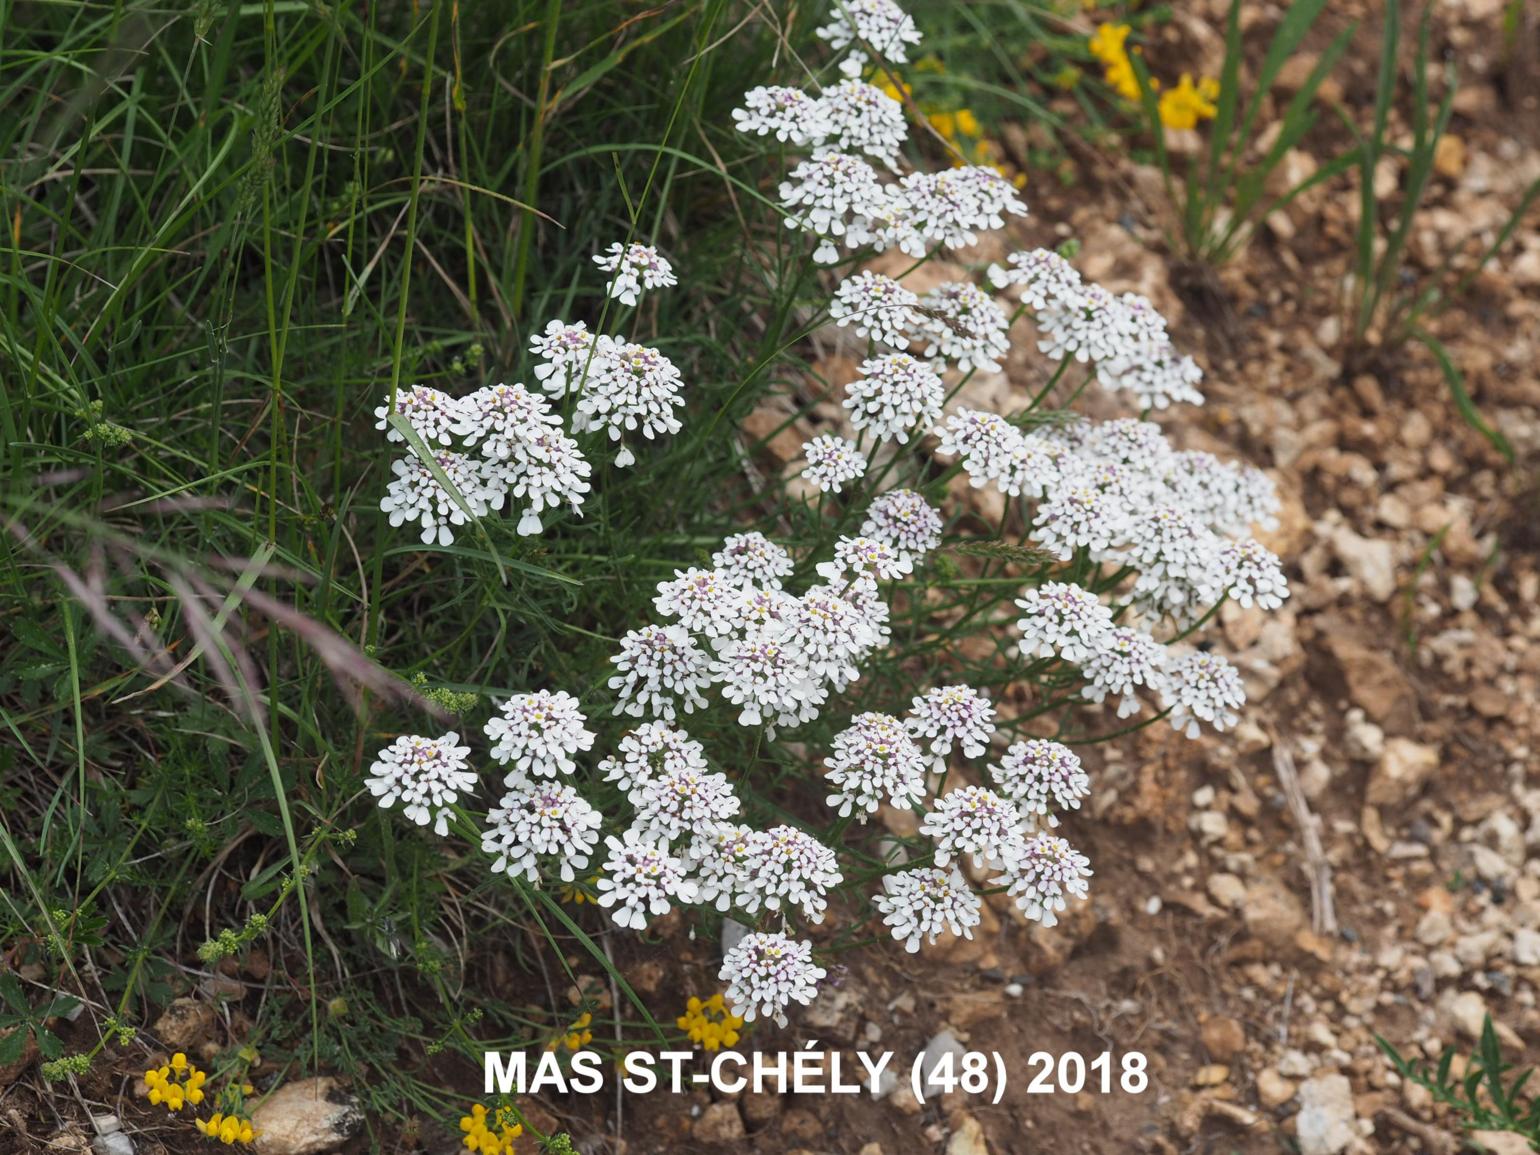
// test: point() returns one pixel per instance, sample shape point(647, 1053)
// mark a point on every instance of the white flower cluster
point(503, 445)
point(1142, 541)
point(774, 655)
point(836, 194)
point(1124, 336)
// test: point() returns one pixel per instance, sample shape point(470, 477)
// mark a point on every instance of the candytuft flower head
point(1063, 620)
point(1202, 687)
point(880, 25)
point(1040, 775)
point(426, 775)
point(416, 495)
point(541, 821)
point(963, 325)
point(766, 973)
point(630, 388)
point(752, 559)
point(788, 867)
point(650, 751)
point(875, 760)
point(769, 677)
point(538, 733)
point(832, 462)
point(927, 902)
point(723, 860)
point(877, 307)
point(642, 878)
point(953, 715)
point(789, 114)
point(830, 197)
point(1048, 870)
point(659, 664)
point(682, 801)
point(635, 268)
point(903, 519)
point(1041, 278)
point(431, 414)
point(858, 117)
point(1126, 658)
point(565, 353)
point(702, 600)
point(1252, 574)
point(974, 820)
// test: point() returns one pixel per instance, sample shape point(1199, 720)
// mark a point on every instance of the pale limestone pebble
point(1362, 740)
point(1327, 1121)
point(1526, 947)
point(967, 1138)
point(1401, 772)
point(306, 1117)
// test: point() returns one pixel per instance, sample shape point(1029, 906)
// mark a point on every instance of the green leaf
point(12, 1044)
point(1461, 395)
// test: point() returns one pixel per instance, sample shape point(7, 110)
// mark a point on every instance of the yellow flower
point(227, 1129)
point(1107, 43)
point(710, 1024)
point(576, 894)
point(967, 123)
point(1185, 105)
point(575, 1037)
point(490, 1134)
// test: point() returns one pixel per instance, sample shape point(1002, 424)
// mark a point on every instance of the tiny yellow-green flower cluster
point(710, 1024)
point(490, 1133)
point(227, 1129)
point(176, 1084)
point(577, 1037)
point(1181, 107)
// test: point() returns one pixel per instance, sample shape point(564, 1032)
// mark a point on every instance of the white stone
point(1327, 1122)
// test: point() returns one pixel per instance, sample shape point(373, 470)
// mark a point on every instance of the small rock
point(1327, 1122)
point(1501, 1143)
point(1488, 864)
point(307, 1117)
point(1223, 1038)
point(1371, 561)
point(1526, 947)
point(1211, 1075)
point(1273, 1089)
point(1272, 913)
point(1449, 156)
point(184, 1024)
point(871, 1149)
point(1463, 593)
point(1434, 928)
point(1227, 890)
point(1210, 825)
point(904, 1102)
point(116, 1143)
point(942, 1044)
point(719, 1123)
point(1374, 681)
point(1401, 772)
point(760, 1107)
point(835, 1014)
point(967, 1138)
point(1295, 1064)
point(1361, 738)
